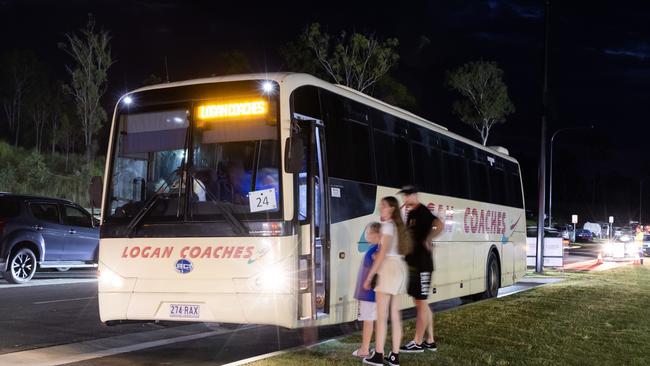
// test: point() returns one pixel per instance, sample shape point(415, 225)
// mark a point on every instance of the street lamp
point(550, 188)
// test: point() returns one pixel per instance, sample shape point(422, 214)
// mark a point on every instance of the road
point(54, 320)
point(581, 252)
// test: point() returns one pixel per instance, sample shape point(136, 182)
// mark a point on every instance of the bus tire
point(492, 278)
point(21, 266)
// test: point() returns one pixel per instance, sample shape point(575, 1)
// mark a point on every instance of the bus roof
point(297, 79)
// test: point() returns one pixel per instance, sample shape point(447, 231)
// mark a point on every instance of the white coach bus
point(244, 198)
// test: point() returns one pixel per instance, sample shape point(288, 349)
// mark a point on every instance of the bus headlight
point(110, 279)
point(274, 279)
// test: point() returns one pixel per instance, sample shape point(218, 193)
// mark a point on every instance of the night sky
point(599, 68)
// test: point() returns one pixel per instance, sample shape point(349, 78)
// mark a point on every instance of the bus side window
point(306, 102)
point(393, 160)
point(348, 138)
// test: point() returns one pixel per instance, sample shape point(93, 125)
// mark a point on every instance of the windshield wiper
point(137, 219)
point(233, 220)
point(151, 202)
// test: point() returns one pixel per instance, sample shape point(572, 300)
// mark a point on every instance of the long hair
point(404, 241)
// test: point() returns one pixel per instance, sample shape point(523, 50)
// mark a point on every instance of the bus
point(244, 198)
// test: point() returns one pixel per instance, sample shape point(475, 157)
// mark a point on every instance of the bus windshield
point(202, 161)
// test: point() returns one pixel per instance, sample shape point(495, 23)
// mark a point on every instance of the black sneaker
point(430, 346)
point(411, 347)
point(377, 359)
point(393, 359)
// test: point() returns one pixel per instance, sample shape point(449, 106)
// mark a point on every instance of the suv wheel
point(21, 266)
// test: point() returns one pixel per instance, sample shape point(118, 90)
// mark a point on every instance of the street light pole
point(640, 198)
point(550, 180)
point(541, 184)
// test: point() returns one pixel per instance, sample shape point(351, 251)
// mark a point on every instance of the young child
point(367, 306)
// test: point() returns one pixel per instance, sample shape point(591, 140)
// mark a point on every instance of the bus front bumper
point(272, 309)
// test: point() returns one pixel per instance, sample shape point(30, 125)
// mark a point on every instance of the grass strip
point(600, 318)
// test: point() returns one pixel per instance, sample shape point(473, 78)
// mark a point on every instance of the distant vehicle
point(44, 232)
point(566, 231)
point(583, 236)
point(623, 248)
point(594, 228)
point(549, 232)
point(618, 231)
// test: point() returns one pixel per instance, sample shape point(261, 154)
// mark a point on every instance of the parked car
point(583, 236)
point(549, 232)
point(39, 232)
point(566, 231)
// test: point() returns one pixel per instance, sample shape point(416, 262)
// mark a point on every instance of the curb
point(581, 266)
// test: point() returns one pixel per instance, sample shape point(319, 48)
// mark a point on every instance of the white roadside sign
point(553, 252)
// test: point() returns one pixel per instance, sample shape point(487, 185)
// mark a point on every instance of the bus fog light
point(110, 278)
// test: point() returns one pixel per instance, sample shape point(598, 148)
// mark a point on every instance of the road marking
point(103, 347)
point(57, 281)
point(63, 300)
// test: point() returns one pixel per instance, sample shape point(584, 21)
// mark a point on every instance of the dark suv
point(44, 232)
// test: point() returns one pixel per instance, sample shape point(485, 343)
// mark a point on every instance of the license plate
point(184, 311)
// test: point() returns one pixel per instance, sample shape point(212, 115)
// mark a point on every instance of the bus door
point(314, 219)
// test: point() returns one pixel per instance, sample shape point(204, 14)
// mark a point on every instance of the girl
point(392, 276)
point(367, 306)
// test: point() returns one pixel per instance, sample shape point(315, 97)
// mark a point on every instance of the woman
point(391, 272)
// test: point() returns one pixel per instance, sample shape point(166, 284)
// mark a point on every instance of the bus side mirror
point(294, 155)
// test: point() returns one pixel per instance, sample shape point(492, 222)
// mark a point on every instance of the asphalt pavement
point(54, 320)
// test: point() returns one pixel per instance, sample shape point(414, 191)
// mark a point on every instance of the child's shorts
point(367, 310)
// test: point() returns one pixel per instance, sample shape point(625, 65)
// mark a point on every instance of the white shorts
point(367, 310)
point(392, 276)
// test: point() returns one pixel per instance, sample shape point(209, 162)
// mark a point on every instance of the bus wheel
point(492, 280)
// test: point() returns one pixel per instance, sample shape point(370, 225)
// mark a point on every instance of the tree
point(391, 91)
point(67, 136)
point(92, 55)
point(60, 106)
point(233, 62)
point(485, 101)
point(352, 59)
point(17, 74)
point(40, 104)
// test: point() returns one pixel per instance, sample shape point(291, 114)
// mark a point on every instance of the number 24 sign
point(263, 200)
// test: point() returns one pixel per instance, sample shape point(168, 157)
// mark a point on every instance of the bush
point(26, 172)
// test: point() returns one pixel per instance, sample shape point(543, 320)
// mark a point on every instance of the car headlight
point(608, 248)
